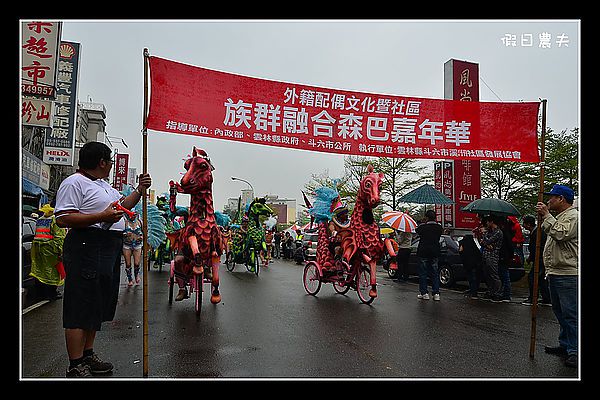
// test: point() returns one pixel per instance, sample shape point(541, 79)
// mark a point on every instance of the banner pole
point(145, 218)
point(538, 237)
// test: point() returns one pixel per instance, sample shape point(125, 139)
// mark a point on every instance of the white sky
point(399, 57)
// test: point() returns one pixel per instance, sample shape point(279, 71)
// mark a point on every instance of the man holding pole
point(561, 262)
point(87, 205)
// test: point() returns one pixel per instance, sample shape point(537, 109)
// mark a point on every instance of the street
point(267, 327)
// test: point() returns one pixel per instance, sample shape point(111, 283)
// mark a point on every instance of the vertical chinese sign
point(444, 182)
point(461, 82)
point(40, 41)
point(121, 169)
point(59, 144)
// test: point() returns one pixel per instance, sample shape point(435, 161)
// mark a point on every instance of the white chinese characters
point(543, 40)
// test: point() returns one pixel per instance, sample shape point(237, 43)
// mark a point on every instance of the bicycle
point(343, 278)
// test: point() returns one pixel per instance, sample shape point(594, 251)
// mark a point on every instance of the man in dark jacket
point(428, 252)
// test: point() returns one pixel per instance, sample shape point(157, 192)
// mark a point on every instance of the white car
point(309, 241)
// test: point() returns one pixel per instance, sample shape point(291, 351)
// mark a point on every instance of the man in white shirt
point(91, 253)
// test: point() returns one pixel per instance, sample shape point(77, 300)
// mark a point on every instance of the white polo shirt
point(77, 193)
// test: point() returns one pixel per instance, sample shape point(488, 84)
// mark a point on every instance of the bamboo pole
point(538, 237)
point(145, 212)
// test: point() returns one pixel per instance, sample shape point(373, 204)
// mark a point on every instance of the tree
point(401, 175)
point(562, 166)
point(519, 183)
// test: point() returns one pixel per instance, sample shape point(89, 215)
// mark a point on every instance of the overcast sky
point(398, 57)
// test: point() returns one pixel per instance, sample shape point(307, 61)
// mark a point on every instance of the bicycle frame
point(343, 277)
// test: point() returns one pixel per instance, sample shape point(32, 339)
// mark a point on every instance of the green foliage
point(401, 175)
point(519, 183)
point(515, 182)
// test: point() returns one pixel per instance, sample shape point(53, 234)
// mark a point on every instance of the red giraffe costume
point(199, 244)
point(362, 241)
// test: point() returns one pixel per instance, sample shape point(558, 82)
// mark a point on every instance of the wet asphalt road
point(267, 327)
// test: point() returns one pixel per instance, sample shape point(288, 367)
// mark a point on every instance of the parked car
point(451, 269)
point(309, 242)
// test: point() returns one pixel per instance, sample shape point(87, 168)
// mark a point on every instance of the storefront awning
point(32, 188)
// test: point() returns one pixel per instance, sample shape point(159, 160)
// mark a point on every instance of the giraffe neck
point(357, 215)
point(201, 206)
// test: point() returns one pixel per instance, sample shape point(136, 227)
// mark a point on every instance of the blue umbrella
point(426, 194)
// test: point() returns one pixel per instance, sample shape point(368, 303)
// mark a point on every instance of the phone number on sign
point(39, 90)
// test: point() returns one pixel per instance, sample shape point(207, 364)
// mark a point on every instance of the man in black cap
point(561, 262)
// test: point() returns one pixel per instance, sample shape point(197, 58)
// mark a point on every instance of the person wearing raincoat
point(46, 255)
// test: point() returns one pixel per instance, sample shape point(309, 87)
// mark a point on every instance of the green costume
point(248, 232)
point(256, 234)
point(46, 250)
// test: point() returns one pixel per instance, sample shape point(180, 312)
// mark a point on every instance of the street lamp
point(233, 178)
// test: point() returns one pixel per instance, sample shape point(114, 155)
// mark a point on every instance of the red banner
point(197, 101)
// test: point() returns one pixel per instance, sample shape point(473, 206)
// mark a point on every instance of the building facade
point(40, 181)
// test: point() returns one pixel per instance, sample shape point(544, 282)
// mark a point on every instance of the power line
point(488, 86)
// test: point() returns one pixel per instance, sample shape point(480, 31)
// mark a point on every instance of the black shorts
point(92, 260)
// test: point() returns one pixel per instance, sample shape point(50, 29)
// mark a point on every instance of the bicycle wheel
point(161, 260)
point(171, 282)
point(311, 278)
point(363, 285)
point(229, 262)
point(248, 261)
point(256, 262)
point(343, 268)
point(198, 289)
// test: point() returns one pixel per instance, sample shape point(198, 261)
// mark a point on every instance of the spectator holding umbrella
point(428, 252)
point(470, 255)
point(405, 226)
point(491, 241)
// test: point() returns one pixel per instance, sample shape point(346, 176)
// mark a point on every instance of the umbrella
point(426, 194)
point(385, 231)
point(399, 221)
point(308, 226)
point(491, 206)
